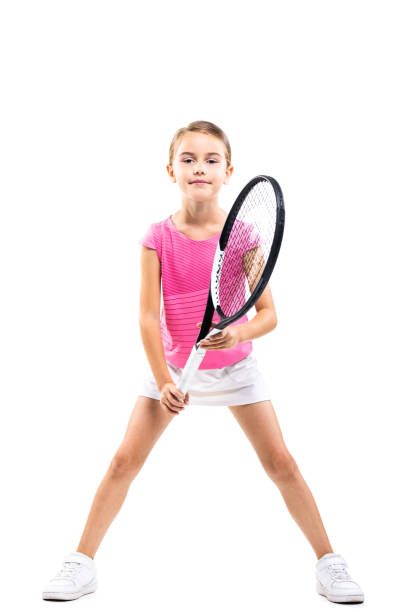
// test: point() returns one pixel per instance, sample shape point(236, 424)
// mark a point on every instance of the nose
point(198, 167)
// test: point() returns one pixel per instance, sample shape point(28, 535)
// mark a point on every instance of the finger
point(178, 397)
point(177, 406)
point(215, 348)
point(168, 408)
point(174, 403)
point(212, 324)
point(171, 402)
point(182, 396)
point(211, 339)
point(212, 342)
point(173, 410)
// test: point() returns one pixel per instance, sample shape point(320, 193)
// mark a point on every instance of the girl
point(200, 163)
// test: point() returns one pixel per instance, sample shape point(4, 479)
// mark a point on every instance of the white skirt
point(233, 385)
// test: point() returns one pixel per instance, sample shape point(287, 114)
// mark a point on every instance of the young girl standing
point(200, 163)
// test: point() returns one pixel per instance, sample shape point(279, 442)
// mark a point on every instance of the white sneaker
point(77, 577)
point(333, 580)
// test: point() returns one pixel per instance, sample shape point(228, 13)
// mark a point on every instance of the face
point(200, 157)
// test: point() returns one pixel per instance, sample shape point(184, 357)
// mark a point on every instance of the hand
point(172, 399)
point(225, 339)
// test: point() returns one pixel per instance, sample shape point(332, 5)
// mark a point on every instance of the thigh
point(147, 422)
point(260, 424)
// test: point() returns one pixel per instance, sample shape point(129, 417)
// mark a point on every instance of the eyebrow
point(188, 153)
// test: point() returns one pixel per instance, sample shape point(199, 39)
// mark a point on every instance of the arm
point(265, 319)
point(263, 322)
point(149, 316)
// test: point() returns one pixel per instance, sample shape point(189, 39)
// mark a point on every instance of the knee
point(124, 464)
point(281, 467)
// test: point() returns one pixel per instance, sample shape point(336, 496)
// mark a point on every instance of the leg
point(261, 426)
point(147, 422)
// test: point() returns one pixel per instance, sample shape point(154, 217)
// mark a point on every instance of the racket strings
point(248, 247)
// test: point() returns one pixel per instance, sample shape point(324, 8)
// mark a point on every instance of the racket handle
point(193, 363)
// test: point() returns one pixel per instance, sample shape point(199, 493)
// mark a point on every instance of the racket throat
point(215, 277)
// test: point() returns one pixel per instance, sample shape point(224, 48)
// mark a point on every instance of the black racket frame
point(270, 264)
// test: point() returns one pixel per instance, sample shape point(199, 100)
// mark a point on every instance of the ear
point(228, 173)
point(170, 172)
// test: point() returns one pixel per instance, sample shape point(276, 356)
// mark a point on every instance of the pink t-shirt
point(185, 291)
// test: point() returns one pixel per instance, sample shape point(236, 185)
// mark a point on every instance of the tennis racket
point(245, 257)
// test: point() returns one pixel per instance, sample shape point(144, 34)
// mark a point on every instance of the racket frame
point(197, 353)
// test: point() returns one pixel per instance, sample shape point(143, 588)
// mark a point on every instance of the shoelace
point(69, 569)
point(338, 571)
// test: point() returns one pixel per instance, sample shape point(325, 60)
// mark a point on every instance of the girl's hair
point(205, 127)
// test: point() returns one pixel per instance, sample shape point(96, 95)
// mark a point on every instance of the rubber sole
point(350, 597)
point(61, 596)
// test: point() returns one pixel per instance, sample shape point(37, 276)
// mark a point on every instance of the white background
point(312, 93)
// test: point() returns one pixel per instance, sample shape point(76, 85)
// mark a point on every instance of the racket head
point(248, 248)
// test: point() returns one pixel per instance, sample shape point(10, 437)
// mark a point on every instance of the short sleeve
point(253, 239)
point(152, 239)
point(244, 236)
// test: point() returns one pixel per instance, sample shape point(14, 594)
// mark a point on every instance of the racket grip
point(193, 363)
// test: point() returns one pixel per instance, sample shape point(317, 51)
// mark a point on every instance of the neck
point(194, 212)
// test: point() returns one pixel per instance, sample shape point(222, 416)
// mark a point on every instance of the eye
point(188, 159)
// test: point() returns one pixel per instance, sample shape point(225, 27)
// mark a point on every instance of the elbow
point(147, 318)
point(274, 321)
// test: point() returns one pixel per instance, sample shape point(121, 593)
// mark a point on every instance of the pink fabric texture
point(186, 267)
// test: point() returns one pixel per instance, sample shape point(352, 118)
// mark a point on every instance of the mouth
point(199, 183)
